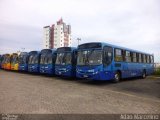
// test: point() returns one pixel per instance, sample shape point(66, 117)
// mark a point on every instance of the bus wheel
point(117, 77)
point(144, 74)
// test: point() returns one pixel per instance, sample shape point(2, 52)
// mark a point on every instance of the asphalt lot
point(28, 93)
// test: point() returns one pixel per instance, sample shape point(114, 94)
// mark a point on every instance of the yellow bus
point(14, 61)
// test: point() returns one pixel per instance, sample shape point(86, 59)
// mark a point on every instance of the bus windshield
point(22, 59)
point(7, 60)
point(89, 57)
point(46, 59)
point(33, 59)
point(63, 58)
point(4, 60)
point(14, 59)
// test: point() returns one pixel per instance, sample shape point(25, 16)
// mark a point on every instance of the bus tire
point(117, 77)
point(144, 74)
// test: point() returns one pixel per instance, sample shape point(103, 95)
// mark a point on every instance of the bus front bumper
point(33, 69)
point(46, 71)
point(101, 75)
point(63, 73)
point(23, 68)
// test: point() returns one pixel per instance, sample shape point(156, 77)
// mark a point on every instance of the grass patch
point(157, 72)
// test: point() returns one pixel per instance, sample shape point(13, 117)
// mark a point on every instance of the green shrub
point(157, 71)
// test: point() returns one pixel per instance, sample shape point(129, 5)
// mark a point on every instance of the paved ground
point(26, 93)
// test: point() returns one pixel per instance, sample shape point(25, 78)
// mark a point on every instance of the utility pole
point(78, 39)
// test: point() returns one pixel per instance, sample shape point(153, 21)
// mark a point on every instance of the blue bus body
point(0, 61)
point(23, 61)
point(102, 61)
point(65, 64)
point(47, 61)
point(34, 61)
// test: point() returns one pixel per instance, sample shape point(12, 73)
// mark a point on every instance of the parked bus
point(102, 61)
point(7, 62)
point(33, 62)
point(14, 61)
point(47, 61)
point(1, 60)
point(66, 61)
point(23, 61)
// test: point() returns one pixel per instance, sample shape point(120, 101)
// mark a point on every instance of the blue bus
point(47, 61)
point(102, 61)
point(34, 61)
point(0, 61)
point(66, 61)
point(23, 61)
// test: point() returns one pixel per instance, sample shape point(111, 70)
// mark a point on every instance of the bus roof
point(64, 49)
point(43, 51)
point(14, 54)
point(34, 52)
point(7, 54)
point(23, 53)
point(102, 44)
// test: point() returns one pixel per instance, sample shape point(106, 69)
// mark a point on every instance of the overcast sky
point(129, 23)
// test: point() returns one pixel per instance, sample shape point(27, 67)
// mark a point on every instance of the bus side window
point(107, 55)
point(118, 55)
point(151, 59)
point(139, 58)
point(144, 58)
point(134, 57)
point(128, 56)
point(148, 61)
